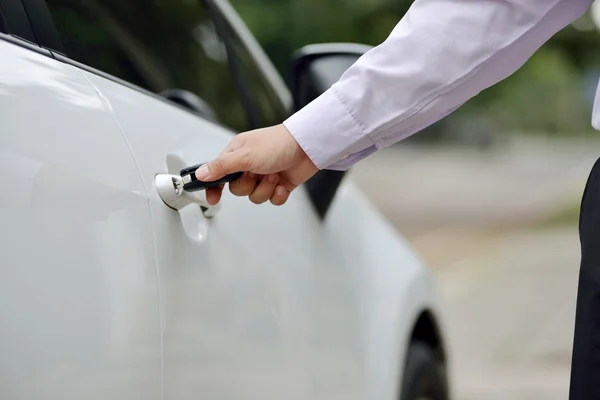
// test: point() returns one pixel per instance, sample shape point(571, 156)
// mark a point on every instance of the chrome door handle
point(179, 191)
point(170, 189)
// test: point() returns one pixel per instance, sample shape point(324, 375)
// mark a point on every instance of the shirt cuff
point(346, 163)
point(327, 131)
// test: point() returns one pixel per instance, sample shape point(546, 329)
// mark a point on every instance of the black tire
point(424, 377)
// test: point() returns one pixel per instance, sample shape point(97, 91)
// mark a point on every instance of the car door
point(79, 311)
point(254, 303)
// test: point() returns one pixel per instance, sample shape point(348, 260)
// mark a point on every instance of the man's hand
point(273, 163)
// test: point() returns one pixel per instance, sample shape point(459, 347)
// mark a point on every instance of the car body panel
point(395, 286)
point(273, 299)
point(237, 290)
point(78, 284)
point(127, 298)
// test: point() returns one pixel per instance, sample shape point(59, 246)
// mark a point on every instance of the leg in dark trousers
point(585, 367)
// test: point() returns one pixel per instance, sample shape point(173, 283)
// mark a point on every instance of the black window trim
point(15, 20)
point(50, 44)
point(37, 26)
point(226, 16)
point(16, 40)
point(256, 52)
point(42, 23)
point(129, 85)
point(133, 86)
point(3, 24)
point(218, 20)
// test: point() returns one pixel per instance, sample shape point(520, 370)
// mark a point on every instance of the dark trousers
point(585, 367)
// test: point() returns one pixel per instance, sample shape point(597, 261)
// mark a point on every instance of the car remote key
point(191, 184)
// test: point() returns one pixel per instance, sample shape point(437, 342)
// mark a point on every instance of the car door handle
point(191, 184)
point(179, 191)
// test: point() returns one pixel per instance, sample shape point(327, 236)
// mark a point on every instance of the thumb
point(224, 164)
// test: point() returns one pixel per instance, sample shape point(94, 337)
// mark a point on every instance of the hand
point(273, 163)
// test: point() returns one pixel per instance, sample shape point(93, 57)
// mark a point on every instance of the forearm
point(440, 55)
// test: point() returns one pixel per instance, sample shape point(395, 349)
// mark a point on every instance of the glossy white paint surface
point(78, 285)
point(265, 302)
point(393, 289)
point(107, 293)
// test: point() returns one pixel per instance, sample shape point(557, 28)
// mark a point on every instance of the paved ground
point(509, 287)
point(511, 312)
point(423, 190)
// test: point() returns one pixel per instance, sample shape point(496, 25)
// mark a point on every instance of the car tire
point(424, 378)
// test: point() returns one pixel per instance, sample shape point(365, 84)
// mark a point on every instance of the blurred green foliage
point(550, 94)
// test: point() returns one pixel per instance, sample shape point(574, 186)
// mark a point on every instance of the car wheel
point(423, 377)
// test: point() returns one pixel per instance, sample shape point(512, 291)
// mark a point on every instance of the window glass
point(266, 104)
point(155, 44)
point(3, 27)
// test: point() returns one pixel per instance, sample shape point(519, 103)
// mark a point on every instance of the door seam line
point(107, 104)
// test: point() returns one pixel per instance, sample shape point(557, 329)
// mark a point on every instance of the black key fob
point(191, 184)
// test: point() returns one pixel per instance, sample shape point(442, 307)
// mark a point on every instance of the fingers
point(258, 189)
point(265, 189)
point(226, 163)
point(213, 195)
point(245, 185)
point(280, 196)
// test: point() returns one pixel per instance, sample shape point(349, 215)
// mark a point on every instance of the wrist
point(298, 152)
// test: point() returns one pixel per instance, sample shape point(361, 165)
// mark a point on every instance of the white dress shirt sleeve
point(441, 54)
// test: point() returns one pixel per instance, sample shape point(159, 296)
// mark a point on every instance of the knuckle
point(246, 160)
point(238, 190)
point(219, 164)
point(234, 186)
point(244, 188)
point(235, 190)
point(259, 196)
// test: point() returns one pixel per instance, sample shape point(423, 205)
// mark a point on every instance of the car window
point(155, 44)
point(266, 104)
point(3, 27)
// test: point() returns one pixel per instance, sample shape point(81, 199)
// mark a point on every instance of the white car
point(111, 289)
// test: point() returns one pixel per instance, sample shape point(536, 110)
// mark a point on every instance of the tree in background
point(550, 94)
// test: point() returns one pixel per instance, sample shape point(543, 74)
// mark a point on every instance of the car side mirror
point(316, 67)
point(313, 70)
